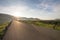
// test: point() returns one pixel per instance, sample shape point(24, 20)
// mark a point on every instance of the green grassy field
point(42, 24)
point(2, 28)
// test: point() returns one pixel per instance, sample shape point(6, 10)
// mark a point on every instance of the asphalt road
point(23, 31)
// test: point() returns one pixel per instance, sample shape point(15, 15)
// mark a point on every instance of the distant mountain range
point(6, 17)
point(32, 19)
point(36, 19)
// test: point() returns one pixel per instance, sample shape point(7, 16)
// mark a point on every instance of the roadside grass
point(2, 28)
point(57, 27)
point(41, 24)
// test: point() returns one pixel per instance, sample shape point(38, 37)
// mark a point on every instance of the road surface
point(22, 31)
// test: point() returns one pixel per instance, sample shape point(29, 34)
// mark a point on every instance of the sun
point(16, 14)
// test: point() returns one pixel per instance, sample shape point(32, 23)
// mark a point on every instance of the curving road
point(22, 31)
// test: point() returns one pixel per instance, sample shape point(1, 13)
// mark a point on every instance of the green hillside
point(4, 22)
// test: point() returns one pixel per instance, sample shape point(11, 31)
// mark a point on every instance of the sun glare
point(16, 14)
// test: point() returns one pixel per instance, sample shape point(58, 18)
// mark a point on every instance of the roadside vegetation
point(5, 21)
point(3, 28)
point(47, 24)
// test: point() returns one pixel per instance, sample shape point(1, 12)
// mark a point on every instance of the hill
point(5, 18)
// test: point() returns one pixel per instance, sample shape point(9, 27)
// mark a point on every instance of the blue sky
point(43, 9)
